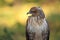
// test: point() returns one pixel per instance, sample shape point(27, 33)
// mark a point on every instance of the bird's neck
point(36, 19)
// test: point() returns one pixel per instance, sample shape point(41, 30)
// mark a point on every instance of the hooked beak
point(29, 13)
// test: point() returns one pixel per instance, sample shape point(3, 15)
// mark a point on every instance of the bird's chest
point(37, 26)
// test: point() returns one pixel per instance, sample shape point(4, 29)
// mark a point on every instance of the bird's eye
point(33, 11)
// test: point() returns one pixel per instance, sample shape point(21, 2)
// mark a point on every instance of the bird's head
point(36, 11)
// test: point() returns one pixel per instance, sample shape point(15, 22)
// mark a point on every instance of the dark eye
point(33, 11)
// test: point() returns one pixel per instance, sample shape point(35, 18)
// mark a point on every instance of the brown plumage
point(37, 26)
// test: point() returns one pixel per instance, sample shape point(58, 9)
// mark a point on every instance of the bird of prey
point(37, 27)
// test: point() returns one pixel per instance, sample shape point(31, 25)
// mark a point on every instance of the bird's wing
point(29, 35)
point(46, 34)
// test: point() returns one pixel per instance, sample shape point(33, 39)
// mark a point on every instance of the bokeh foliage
point(54, 23)
point(17, 31)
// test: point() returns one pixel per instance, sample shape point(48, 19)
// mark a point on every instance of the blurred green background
point(13, 17)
